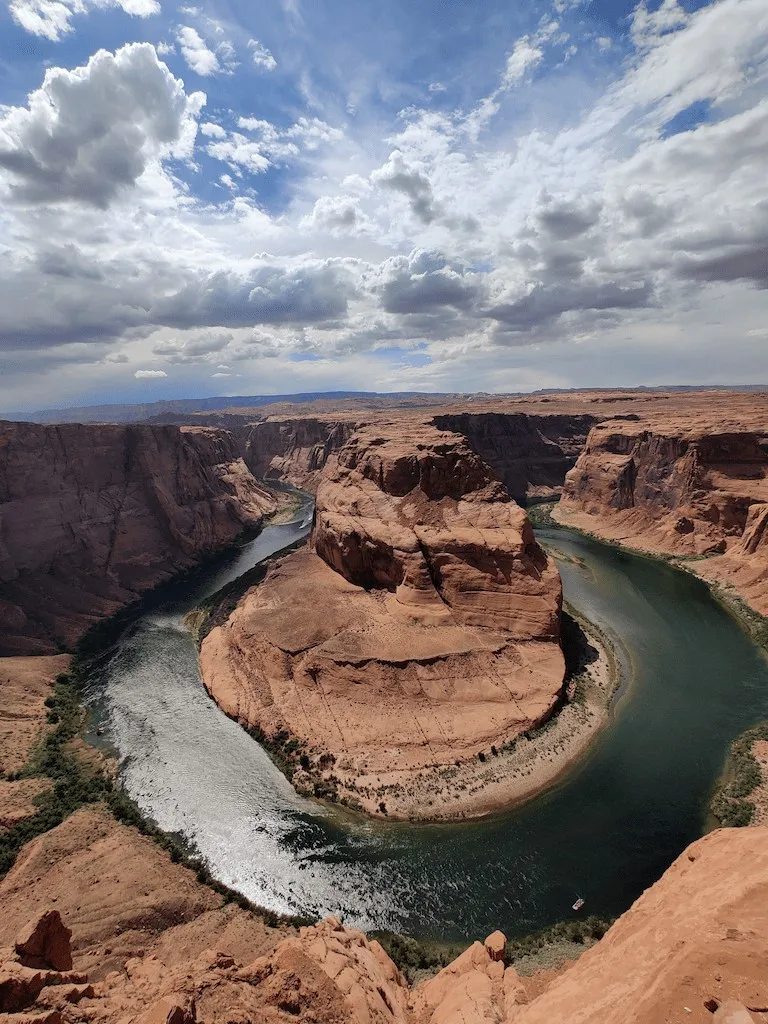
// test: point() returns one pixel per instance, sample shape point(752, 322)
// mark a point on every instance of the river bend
point(691, 681)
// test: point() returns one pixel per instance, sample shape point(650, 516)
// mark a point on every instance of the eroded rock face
point(294, 450)
point(91, 516)
point(696, 939)
point(422, 630)
point(423, 516)
point(682, 491)
point(530, 454)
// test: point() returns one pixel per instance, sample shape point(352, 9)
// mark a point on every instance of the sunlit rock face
point(680, 487)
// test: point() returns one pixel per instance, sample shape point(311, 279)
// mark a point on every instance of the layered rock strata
point(92, 516)
point(99, 925)
point(295, 450)
point(421, 631)
point(530, 454)
point(680, 490)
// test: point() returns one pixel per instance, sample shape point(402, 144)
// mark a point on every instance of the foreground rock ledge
point(158, 948)
point(421, 631)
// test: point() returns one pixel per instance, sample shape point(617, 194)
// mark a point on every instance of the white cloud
point(90, 134)
point(52, 18)
point(525, 56)
point(589, 239)
point(212, 131)
point(149, 374)
point(267, 145)
point(261, 56)
point(196, 52)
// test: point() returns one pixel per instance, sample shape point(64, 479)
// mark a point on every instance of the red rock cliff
point(680, 490)
point(91, 516)
point(529, 454)
point(295, 450)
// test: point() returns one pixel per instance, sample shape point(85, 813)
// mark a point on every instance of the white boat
point(578, 904)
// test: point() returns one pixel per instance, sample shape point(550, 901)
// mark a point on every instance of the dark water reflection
point(691, 682)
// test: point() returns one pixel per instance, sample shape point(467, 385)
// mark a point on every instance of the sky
point(287, 196)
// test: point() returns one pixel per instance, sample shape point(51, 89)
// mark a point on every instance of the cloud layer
point(497, 242)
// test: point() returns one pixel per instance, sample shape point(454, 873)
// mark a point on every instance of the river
point(691, 680)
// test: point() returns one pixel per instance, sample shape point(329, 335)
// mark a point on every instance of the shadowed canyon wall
point(529, 454)
point(92, 516)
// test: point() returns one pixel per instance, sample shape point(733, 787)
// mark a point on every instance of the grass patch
point(73, 783)
point(416, 957)
point(741, 778)
point(540, 514)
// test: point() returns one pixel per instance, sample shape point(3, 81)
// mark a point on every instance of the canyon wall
point(295, 450)
point(530, 454)
point(422, 629)
point(92, 516)
point(680, 490)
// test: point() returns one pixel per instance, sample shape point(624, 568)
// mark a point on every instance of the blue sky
point(231, 197)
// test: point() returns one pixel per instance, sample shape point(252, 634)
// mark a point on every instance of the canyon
point(692, 487)
point(420, 627)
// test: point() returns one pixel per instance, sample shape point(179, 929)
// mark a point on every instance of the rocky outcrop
point(91, 516)
point(422, 630)
point(694, 940)
point(692, 948)
point(530, 454)
point(679, 490)
point(295, 450)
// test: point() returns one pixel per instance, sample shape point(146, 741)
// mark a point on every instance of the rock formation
point(91, 516)
point(134, 939)
point(682, 489)
point(422, 631)
point(295, 450)
point(530, 454)
point(694, 940)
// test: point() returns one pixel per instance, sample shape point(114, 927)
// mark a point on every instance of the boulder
point(45, 942)
point(496, 944)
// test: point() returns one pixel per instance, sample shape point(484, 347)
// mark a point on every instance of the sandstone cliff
point(530, 454)
point(422, 631)
point(678, 489)
point(295, 450)
point(91, 516)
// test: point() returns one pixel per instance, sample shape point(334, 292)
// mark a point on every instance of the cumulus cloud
point(149, 374)
point(52, 18)
point(196, 52)
point(397, 175)
point(261, 56)
point(337, 215)
point(422, 282)
point(89, 134)
point(612, 233)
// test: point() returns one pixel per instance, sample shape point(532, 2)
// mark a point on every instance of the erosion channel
point(691, 680)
